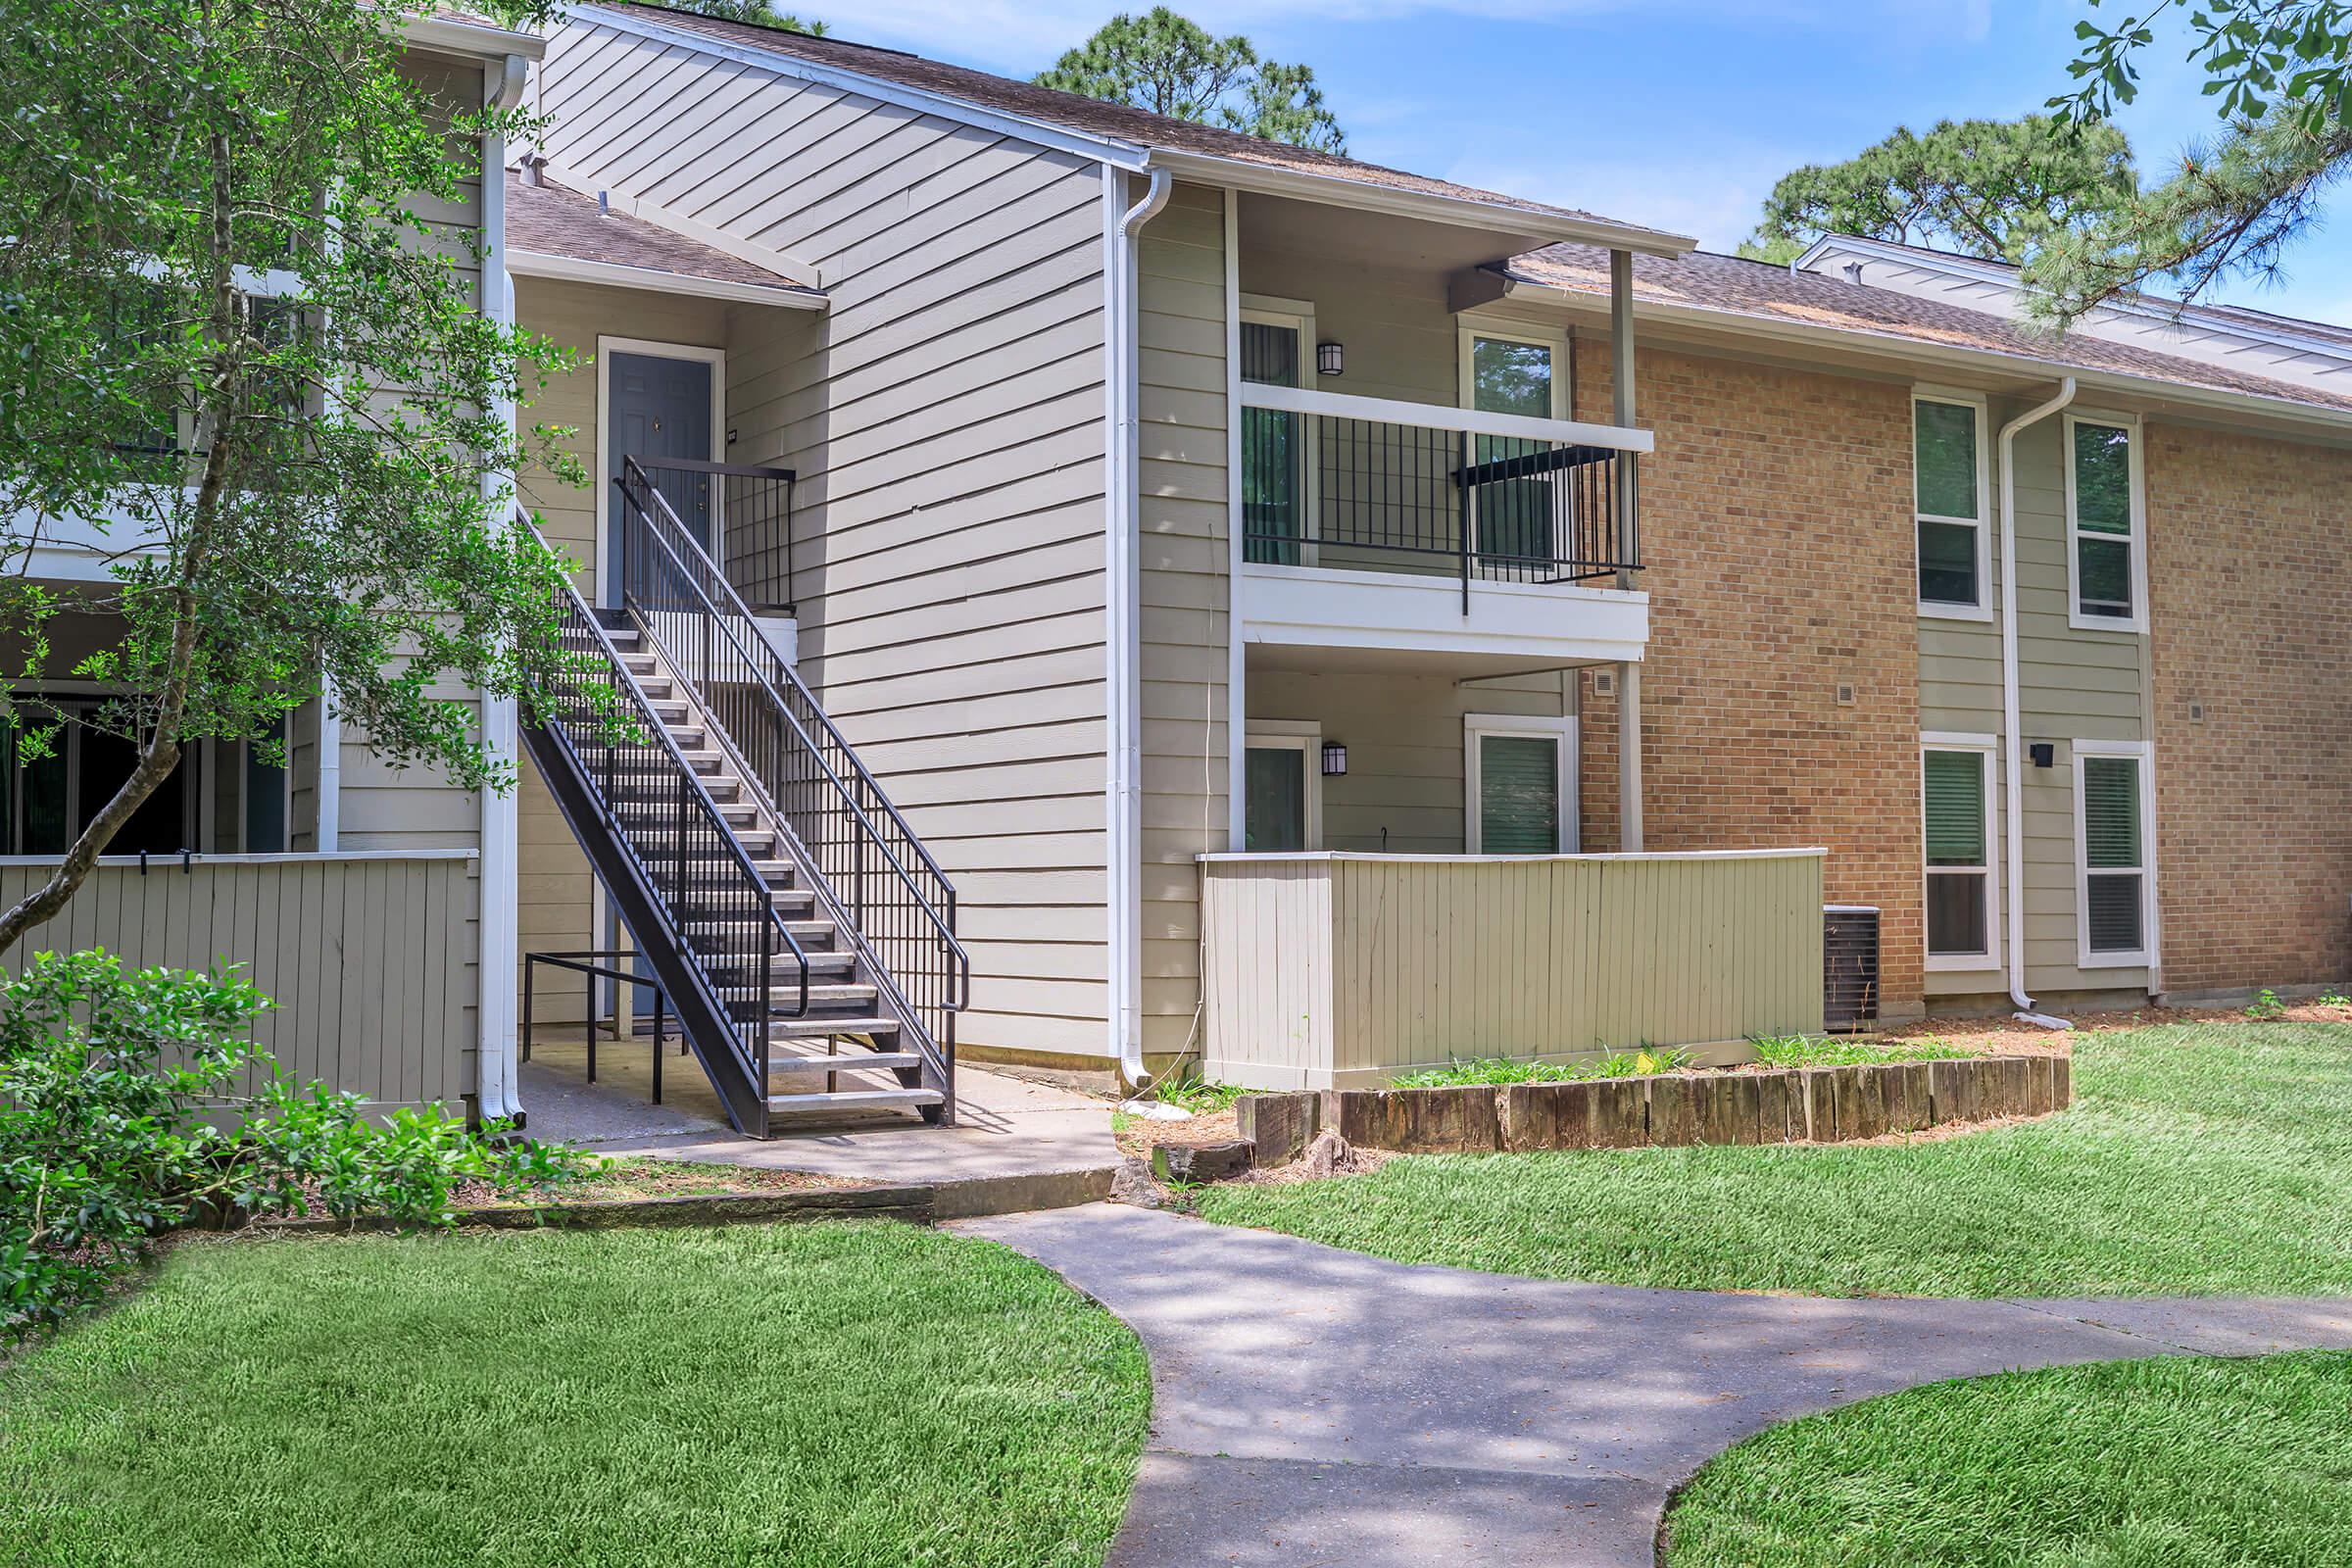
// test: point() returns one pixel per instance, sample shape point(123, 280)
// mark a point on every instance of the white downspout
point(1123, 595)
point(500, 913)
point(2013, 771)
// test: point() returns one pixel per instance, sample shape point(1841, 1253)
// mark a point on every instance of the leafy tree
point(1999, 189)
point(755, 13)
point(2282, 71)
point(1164, 63)
point(240, 347)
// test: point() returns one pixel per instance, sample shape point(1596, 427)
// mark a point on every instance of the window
point(1956, 804)
point(1284, 779)
point(1947, 468)
point(2104, 513)
point(2111, 853)
point(1520, 785)
point(1277, 495)
point(1515, 521)
point(52, 796)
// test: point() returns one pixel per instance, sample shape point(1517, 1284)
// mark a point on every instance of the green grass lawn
point(2172, 1463)
point(2198, 1159)
point(816, 1394)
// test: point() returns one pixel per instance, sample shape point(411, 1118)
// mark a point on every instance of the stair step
point(787, 993)
point(855, 1061)
point(870, 1024)
point(853, 1099)
point(828, 961)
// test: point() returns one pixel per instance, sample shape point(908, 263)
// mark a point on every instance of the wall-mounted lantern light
point(1329, 358)
point(1335, 760)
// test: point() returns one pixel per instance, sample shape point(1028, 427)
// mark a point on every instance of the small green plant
point(2334, 998)
point(120, 1118)
point(2266, 1005)
point(1500, 1070)
point(1200, 1097)
point(1806, 1050)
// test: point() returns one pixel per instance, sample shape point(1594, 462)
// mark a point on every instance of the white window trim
point(605, 348)
point(1469, 329)
point(2146, 957)
point(1982, 610)
point(2138, 538)
point(1265, 309)
point(1987, 750)
point(1562, 731)
point(1293, 734)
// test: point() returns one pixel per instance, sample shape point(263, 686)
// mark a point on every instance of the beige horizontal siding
point(1345, 970)
point(1184, 536)
point(371, 959)
point(945, 415)
point(2072, 685)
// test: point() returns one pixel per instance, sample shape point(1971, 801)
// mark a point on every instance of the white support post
point(1629, 759)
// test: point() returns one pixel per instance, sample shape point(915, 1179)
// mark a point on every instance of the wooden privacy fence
point(371, 958)
point(1335, 971)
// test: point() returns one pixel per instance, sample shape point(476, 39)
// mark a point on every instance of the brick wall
point(1776, 522)
point(2252, 605)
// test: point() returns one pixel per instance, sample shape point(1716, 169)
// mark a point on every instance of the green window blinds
point(1943, 451)
point(1518, 795)
point(2103, 532)
point(1273, 450)
point(2115, 871)
point(1959, 859)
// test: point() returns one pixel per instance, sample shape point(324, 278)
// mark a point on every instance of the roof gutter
point(497, 1092)
point(2013, 960)
point(618, 274)
point(1123, 601)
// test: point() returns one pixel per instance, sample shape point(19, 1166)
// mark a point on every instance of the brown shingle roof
point(1735, 287)
point(557, 221)
point(2188, 311)
point(1093, 118)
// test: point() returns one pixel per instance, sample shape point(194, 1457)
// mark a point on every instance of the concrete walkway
point(1008, 1129)
point(1319, 1407)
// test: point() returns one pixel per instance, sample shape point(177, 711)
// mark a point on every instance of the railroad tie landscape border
point(1781, 1105)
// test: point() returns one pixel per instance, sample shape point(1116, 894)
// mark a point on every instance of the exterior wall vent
point(1849, 979)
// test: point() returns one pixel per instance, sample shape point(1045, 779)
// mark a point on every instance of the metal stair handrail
point(729, 629)
point(695, 795)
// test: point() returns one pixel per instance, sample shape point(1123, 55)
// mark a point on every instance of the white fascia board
point(1911, 353)
point(1314, 607)
point(2177, 313)
point(1444, 416)
point(472, 38)
point(613, 274)
point(1103, 149)
point(1461, 212)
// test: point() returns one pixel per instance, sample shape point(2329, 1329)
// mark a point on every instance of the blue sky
point(1675, 113)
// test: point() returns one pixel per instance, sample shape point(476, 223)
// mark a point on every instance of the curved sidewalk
point(1313, 1407)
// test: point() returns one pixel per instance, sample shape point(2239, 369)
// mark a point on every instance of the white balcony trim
point(1554, 623)
point(1438, 417)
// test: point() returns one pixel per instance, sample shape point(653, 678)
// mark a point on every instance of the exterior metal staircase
point(804, 936)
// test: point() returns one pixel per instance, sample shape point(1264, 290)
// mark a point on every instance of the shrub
point(122, 1116)
point(2266, 1005)
point(1500, 1070)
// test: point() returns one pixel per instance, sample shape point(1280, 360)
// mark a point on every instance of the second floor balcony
point(1368, 523)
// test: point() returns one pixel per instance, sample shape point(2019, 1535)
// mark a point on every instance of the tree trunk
point(217, 409)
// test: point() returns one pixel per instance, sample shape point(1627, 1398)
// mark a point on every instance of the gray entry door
point(656, 407)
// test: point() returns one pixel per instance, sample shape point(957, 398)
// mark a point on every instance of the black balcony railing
point(741, 513)
point(1330, 490)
